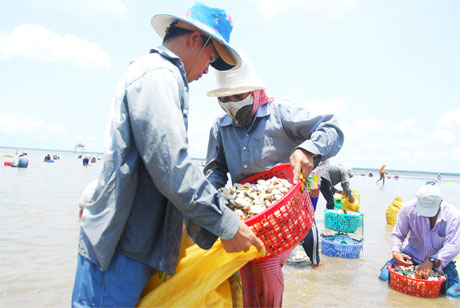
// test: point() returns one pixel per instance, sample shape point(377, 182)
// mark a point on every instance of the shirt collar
point(262, 111)
point(173, 58)
point(442, 213)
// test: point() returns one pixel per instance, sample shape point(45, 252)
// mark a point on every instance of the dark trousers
point(326, 191)
point(311, 244)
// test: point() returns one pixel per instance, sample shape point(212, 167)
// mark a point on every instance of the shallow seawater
point(346, 282)
point(39, 235)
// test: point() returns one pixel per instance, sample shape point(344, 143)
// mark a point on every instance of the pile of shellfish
point(410, 271)
point(248, 200)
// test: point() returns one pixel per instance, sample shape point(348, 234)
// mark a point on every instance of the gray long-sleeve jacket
point(336, 174)
point(149, 184)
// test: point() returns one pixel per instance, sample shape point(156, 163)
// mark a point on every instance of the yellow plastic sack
point(393, 210)
point(201, 279)
point(347, 205)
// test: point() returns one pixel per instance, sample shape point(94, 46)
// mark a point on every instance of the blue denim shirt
point(148, 184)
point(277, 130)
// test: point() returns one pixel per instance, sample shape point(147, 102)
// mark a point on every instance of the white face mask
point(232, 108)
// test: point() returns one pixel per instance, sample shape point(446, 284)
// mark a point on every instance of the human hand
point(314, 190)
point(242, 240)
point(424, 269)
point(402, 258)
point(301, 162)
point(351, 199)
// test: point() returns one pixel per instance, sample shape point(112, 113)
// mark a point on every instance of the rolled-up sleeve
point(158, 122)
point(321, 133)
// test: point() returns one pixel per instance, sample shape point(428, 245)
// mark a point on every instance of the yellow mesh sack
point(393, 210)
point(203, 278)
point(347, 205)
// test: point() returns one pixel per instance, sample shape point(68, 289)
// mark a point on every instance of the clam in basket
point(343, 221)
point(413, 286)
point(340, 245)
point(286, 222)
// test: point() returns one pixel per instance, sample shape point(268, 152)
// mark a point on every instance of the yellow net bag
point(203, 278)
point(347, 205)
point(393, 210)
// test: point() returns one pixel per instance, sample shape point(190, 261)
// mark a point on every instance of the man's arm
point(451, 247)
point(398, 236)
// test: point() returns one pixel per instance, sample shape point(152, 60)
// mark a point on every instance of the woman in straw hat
point(132, 224)
point(256, 133)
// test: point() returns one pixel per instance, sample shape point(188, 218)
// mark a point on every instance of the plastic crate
point(332, 249)
point(286, 222)
point(413, 286)
point(342, 222)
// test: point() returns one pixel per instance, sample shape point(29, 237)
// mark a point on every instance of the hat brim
point(221, 92)
point(427, 211)
point(228, 57)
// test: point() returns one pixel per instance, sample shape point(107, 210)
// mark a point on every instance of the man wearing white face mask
point(255, 134)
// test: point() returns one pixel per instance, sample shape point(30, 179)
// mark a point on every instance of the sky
point(389, 70)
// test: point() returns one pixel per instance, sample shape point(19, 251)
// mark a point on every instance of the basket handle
point(302, 187)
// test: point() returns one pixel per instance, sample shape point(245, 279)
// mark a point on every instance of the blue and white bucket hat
point(214, 22)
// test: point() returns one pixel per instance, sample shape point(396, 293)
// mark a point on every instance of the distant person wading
point(382, 172)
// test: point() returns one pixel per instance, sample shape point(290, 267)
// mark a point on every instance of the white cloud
point(450, 119)
point(333, 8)
point(11, 125)
point(370, 124)
point(404, 154)
point(56, 128)
point(455, 155)
point(407, 125)
point(407, 143)
point(37, 43)
point(94, 9)
point(374, 145)
point(421, 154)
point(444, 136)
point(332, 106)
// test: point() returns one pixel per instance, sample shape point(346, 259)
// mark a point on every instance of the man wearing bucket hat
point(255, 134)
point(132, 225)
point(433, 226)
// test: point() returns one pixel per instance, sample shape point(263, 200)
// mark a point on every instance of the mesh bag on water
point(393, 210)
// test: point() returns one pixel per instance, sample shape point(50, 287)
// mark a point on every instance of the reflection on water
point(39, 234)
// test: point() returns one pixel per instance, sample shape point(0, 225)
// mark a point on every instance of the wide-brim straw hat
point(236, 81)
point(213, 22)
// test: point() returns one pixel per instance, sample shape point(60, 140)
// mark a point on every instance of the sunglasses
point(235, 98)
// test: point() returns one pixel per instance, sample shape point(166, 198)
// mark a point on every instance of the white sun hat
point(428, 200)
point(237, 81)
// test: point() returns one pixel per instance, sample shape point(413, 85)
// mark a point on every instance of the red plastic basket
point(412, 286)
point(286, 222)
